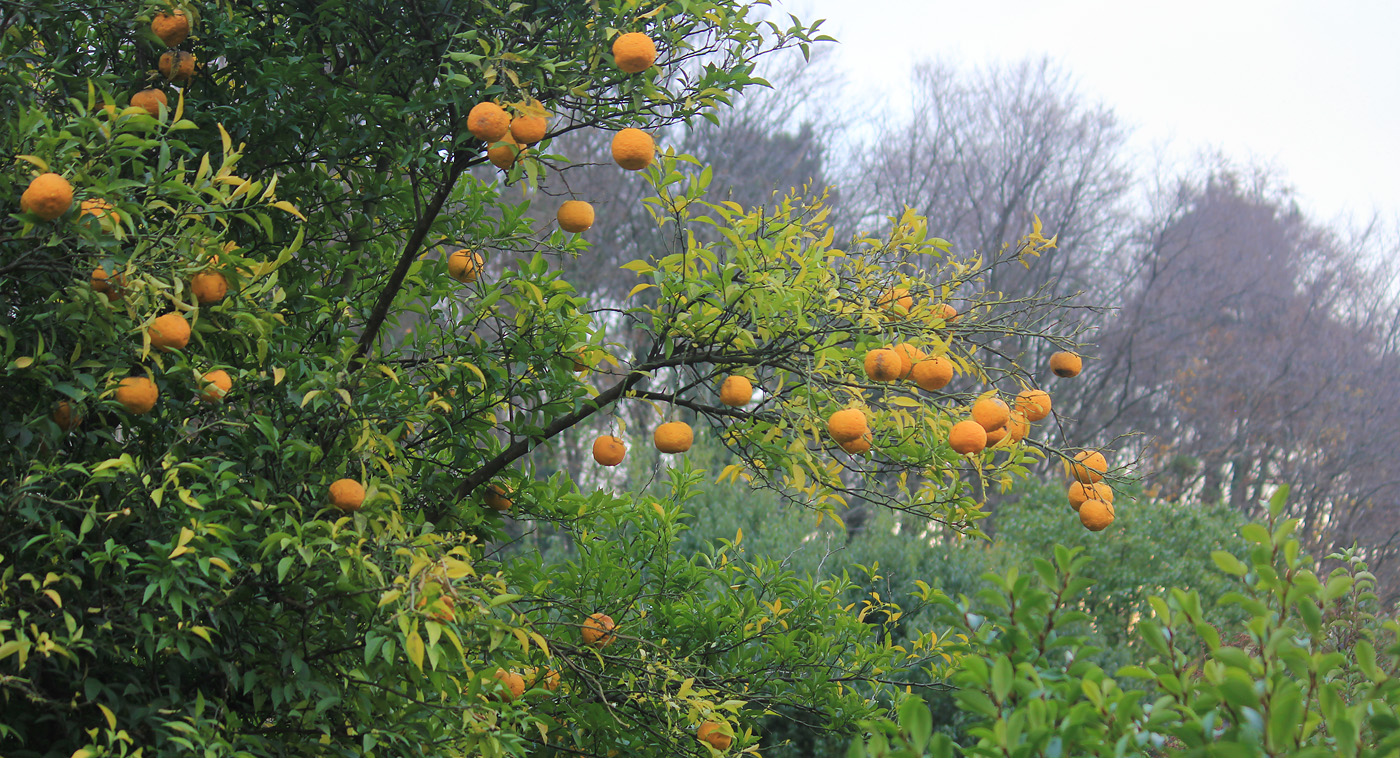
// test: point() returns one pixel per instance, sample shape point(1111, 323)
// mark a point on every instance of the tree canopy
point(287, 370)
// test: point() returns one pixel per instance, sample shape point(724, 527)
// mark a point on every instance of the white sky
point(1310, 88)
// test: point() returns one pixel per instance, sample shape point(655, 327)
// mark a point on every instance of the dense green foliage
point(1311, 674)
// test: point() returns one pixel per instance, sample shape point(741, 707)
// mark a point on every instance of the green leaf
point(414, 646)
point(1285, 711)
point(1278, 501)
point(1002, 675)
point(1229, 563)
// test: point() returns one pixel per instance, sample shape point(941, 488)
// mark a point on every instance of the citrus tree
point(287, 358)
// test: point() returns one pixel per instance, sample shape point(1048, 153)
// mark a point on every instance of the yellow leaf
point(390, 597)
point(385, 370)
point(58, 601)
point(277, 375)
point(415, 650)
point(539, 641)
point(221, 563)
point(27, 361)
point(283, 205)
point(181, 545)
point(38, 162)
point(227, 140)
point(107, 713)
point(634, 290)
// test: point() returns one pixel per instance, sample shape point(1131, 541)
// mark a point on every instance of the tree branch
point(460, 161)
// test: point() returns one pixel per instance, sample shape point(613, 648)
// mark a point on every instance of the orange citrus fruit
point(736, 392)
point(177, 65)
point(48, 196)
point(967, 437)
point(633, 149)
point(947, 312)
point(895, 298)
point(504, 154)
point(97, 208)
point(172, 28)
point(488, 121)
point(512, 684)
point(908, 356)
point(137, 394)
point(217, 383)
point(598, 630)
point(547, 678)
point(1018, 427)
point(673, 437)
point(151, 100)
point(527, 130)
point(634, 52)
point(347, 494)
point(464, 265)
point(1088, 466)
point(932, 374)
point(991, 412)
point(169, 332)
point(575, 216)
point(112, 288)
point(209, 287)
point(882, 365)
point(1096, 515)
point(1079, 492)
point(1034, 404)
point(847, 425)
point(496, 499)
point(609, 450)
point(1065, 364)
point(66, 415)
point(859, 445)
point(710, 732)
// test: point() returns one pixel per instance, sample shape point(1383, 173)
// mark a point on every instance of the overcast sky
point(1309, 88)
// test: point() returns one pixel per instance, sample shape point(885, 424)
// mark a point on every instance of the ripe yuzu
point(933, 373)
point(1066, 365)
point(882, 365)
point(1033, 404)
point(217, 383)
point(1096, 515)
point(209, 287)
point(609, 450)
point(991, 412)
point(736, 391)
point(967, 437)
point(634, 52)
point(137, 394)
point(673, 437)
point(598, 630)
point(1088, 466)
point(347, 494)
point(169, 332)
point(172, 28)
point(633, 149)
point(464, 265)
point(488, 121)
point(575, 216)
point(527, 130)
point(48, 196)
point(847, 425)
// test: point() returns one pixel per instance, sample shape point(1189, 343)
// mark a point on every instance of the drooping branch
point(461, 160)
